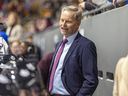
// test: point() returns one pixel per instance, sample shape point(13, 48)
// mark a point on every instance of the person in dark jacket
point(73, 71)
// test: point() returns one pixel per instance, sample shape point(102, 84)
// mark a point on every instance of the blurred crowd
point(33, 16)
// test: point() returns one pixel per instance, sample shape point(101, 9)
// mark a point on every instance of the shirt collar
point(71, 38)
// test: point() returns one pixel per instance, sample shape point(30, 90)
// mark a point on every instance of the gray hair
point(76, 9)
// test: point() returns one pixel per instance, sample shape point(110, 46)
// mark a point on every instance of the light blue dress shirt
point(58, 87)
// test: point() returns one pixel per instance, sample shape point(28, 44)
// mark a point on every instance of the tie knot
point(65, 41)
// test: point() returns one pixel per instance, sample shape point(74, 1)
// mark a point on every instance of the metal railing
point(100, 10)
point(106, 8)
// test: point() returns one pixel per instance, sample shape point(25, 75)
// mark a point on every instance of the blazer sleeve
point(89, 70)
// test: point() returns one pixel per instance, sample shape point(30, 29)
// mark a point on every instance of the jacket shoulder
point(86, 42)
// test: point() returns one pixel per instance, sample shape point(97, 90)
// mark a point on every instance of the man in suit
point(75, 73)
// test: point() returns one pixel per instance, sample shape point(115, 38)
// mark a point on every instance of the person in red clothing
point(43, 66)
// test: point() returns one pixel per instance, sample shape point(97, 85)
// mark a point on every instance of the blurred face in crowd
point(11, 19)
point(41, 24)
point(23, 48)
point(68, 24)
point(30, 27)
point(19, 48)
point(15, 48)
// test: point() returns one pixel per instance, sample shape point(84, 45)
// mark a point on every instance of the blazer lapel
point(73, 46)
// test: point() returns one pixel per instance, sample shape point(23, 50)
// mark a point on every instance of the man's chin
point(63, 32)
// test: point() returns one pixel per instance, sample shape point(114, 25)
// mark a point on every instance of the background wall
point(109, 31)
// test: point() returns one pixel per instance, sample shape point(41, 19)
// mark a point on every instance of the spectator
point(121, 79)
point(14, 29)
point(42, 24)
point(30, 28)
point(87, 5)
point(119, 2)
point(101, 3)
point(24, 49)
point(44, 65)
point(15, 48)
point(3, 44)
point(29, 61)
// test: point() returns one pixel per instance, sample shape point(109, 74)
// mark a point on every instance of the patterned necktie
point(56, 60)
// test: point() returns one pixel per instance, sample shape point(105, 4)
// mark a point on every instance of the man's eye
point(69, 21)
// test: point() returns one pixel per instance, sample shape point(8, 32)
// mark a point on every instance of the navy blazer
point(79, 72)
